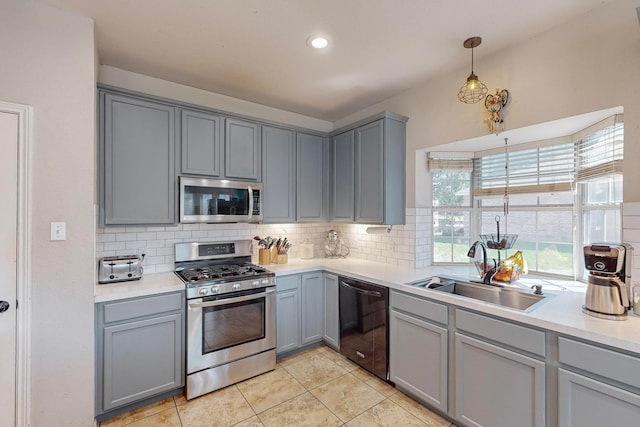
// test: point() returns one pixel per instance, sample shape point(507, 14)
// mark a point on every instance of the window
point(562, 195)
point(451, 181)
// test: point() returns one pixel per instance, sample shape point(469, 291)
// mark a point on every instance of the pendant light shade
point(473, 90)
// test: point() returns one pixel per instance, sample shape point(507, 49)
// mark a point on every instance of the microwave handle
point(250, 188)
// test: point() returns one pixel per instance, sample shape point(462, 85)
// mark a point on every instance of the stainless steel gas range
point(231, 317)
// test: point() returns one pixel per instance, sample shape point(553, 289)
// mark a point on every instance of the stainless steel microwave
point(219, 200)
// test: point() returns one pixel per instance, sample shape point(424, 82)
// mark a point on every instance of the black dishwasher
point(363, 325)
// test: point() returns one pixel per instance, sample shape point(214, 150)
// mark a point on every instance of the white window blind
point(535, 170)
point(442, 162)
point(597, 152)
point(600, 154)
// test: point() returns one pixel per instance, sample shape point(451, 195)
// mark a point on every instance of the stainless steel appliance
point(231, 317)
point(119, 268)
point(363, 325)
point(219, 200)
point(609, 292)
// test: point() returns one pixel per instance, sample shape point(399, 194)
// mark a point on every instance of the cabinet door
point(242, 150)
point(200, 143)
point(287, 313)
point(278, 175)
point(331, 311)
point(138, 170)
point(583, 402)
point(495, 387)
point(369, 169)
point(310, 178)
point(342, 177)
point(312, 308)
point(142, 359)
point(418, 358)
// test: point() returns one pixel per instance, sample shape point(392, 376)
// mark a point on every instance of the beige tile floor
point(318, 387)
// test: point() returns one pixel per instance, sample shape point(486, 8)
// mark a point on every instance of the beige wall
point(588, 64)
point(47, 62)
point(150, 85)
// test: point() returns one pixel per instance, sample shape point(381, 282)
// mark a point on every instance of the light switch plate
point(58, 231)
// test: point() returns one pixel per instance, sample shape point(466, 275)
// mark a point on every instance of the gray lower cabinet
point(418, 352)
point(201, 151)
point(312, 308)
point(278, 175)
point(604, 390)
point(499, 373)
point(136, 161)
point(287, 313)
point(140, 349)
point(311, 176)
point(242, 150)
point(342, 172)
point(331, 311)
point(299, 311)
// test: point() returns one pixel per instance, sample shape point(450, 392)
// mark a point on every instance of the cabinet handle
point(230, 300)
point(362, 291)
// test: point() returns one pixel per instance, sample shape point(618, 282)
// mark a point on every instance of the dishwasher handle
point(361, 291)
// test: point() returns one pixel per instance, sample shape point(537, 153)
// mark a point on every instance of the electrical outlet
point(58, 231)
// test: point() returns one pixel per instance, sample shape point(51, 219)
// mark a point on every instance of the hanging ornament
point(494, 104)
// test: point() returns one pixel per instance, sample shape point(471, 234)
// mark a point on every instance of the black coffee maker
point(609, 291)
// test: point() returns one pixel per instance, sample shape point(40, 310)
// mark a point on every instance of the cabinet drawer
point(420, 307)
point(600, 361)
point(131, 309)
point(287, 283)
point(516, 336)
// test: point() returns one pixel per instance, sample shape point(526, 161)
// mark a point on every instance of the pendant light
point(473, 90)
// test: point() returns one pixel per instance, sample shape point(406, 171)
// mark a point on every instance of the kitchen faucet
point(487, 273)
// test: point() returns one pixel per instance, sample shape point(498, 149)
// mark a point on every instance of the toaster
point(119, 269)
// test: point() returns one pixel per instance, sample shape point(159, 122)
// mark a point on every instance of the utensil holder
point(282, 259)
point(264, 256)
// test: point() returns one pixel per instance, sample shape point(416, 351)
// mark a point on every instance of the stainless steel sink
point(505, 297)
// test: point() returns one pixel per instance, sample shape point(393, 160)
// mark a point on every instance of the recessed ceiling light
point(318, 42)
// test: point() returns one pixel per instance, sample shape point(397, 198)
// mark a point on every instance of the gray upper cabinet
point(139, 350)
point(201, 151)
point(380, 172)
point(342, 177)
point(311, 190)
point(136, 161)
point(242, 150)
point(278, 175)
point(368, 168)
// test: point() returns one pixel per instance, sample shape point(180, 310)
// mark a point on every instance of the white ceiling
point(256, 50)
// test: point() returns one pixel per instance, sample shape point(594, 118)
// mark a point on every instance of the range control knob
point(255, 283)
point(203, 291)
point(265, 282)
point(236, 286)
point(215, 289)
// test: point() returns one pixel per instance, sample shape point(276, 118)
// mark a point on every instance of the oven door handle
point(230, 300)
point(362, 291)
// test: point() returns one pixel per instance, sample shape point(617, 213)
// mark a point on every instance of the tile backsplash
point(406, 245)
point(631, 235)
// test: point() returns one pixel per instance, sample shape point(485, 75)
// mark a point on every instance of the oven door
point(229, 327)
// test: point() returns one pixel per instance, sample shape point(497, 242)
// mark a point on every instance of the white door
point(8, 280)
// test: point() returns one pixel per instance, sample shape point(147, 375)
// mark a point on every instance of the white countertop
point(560, 312)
